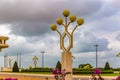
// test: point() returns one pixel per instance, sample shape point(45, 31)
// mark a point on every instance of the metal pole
point(42, 58)
point(20, 61)
point(5, 60)
point(96, 46)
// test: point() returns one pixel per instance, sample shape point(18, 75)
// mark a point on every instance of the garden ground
point(24, 76)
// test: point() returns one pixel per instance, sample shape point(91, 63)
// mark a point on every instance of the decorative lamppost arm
point(74, 29)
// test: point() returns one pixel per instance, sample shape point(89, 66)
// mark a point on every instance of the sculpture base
point(67, 64)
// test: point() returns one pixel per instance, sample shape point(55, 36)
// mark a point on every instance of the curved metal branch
point(69, 23)
point(74, 29)
point(61, 42)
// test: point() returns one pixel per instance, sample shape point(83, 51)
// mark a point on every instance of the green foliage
point(107, 66)
point(58, 65)
point(89, 71)
point(75, 70)
point(116, 69)
point(83, 65)
point(37, 70)
point(107, 72)
point(30, 67)
point(15, 67)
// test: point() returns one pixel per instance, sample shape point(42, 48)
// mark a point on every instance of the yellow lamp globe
point(66, 13)
point(53, 27)
point(80, 21)
point(72, 18)
point(59, 21)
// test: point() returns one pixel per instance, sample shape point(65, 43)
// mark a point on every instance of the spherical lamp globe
point(59, 21)
point(80, 21)
point(72, 18)
point(66, 13)
point(53, 27)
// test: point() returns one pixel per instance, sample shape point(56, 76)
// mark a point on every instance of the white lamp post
point(42, 52)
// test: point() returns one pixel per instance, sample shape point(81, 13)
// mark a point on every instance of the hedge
point(90, 71)
point(75, 70)
point(37, 70)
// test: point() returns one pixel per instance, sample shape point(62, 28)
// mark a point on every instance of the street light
point(42, 52)
point(96, 46)
point(66, 54)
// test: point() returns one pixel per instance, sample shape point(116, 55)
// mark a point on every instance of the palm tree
point(35, 59)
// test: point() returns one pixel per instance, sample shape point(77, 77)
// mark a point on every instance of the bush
point(37, 70)
point(15, 67)
point(117, 69)
point(90, 71)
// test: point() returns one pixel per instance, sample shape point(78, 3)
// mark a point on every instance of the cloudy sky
point(27, 23)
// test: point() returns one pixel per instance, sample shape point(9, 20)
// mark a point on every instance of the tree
point(15, 67)
point(107, 66)
point(58, 65)
point(83, 65)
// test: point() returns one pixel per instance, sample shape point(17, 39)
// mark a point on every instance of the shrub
point(15, 67)
point(90, 71)
point(37, 70)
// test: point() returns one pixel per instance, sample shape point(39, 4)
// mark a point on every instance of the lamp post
point(35, 59)
point(42, 52)
point(9, 62)
point(5, 60)
point(66, 54)
point(96, 46)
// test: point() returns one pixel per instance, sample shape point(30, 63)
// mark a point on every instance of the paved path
point(24, 76)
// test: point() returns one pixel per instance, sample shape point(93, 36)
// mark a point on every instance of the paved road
point(24, 76)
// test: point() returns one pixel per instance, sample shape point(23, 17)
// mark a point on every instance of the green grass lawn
point(114, 74)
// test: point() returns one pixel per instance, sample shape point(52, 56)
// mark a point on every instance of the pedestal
point(67, 64)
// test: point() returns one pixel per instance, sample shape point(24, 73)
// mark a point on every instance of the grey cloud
point(29, 28)
point(86, 42)
point(106, 10)
point(27, 15)
point(118, 37)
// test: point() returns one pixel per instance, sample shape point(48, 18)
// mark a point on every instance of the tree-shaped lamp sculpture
point(35, 59)
point(66, 54)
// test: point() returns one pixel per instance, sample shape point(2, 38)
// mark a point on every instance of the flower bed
point(9, 79)
point(118, 78)
point(58, 74)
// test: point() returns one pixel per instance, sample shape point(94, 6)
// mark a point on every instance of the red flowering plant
point(10, 79)
point(118, 78)
point(97, 71)
point(58, 74)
